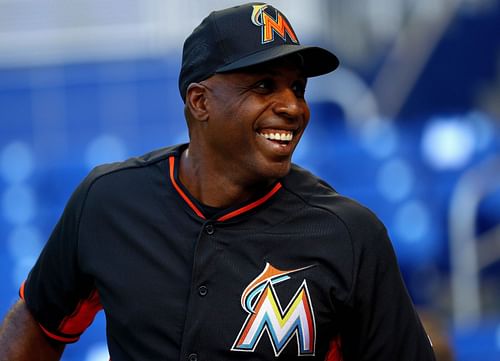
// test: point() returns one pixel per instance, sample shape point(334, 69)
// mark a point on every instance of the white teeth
point(278, 136)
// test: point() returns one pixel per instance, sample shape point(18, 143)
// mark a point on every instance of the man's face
point(256, 119)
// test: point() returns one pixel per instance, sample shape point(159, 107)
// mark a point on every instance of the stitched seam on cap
point(219, 42)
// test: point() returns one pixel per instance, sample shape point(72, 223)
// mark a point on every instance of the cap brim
point(316, 60)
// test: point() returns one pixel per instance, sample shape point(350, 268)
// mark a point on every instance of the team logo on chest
point(266, 315)
point(278, 25)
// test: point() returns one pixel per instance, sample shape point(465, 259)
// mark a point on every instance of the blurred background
point(409, 125)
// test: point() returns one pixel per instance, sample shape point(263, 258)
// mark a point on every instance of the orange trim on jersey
point(334, 353)
point(252, 205)
point(83, 315)
point(47, 332)
point(225, 217)
point(59, 338)
point(171, 162)
point(21, 290)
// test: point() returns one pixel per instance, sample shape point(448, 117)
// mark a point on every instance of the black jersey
point(298, 271)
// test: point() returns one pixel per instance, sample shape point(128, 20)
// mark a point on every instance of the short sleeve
point(60, 297)
point(380, 320)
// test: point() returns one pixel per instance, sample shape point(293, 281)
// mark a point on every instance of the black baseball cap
point(242, 36)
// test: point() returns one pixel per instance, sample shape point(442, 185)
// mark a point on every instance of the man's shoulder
point(141, 162)
point(319, 194)
point(130, 174)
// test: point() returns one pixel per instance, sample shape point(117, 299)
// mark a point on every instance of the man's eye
point(299, 89)
point(265, 85)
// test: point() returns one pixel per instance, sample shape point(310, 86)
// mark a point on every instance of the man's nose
point(288, 104)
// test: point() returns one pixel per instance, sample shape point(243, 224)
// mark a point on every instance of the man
point(221, 249)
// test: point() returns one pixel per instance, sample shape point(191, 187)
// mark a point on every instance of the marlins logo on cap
point(278, 25)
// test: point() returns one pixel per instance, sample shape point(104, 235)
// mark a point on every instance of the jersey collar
point(173, 164)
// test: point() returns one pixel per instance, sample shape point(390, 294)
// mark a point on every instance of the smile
point(281, 135)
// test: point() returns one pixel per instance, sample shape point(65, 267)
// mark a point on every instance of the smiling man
point(222, 249)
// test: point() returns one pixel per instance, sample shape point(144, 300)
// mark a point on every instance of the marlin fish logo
point(265, 314)
point(270, 26)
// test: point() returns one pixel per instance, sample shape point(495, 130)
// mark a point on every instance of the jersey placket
point(206, 256)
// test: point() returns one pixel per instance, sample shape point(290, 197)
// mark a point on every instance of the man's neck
point(212, 187)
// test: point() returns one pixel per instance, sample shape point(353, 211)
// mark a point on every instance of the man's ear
point(196, 101)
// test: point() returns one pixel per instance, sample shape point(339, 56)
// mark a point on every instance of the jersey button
point(193, 357)
point(203, 290)
point(209, 228)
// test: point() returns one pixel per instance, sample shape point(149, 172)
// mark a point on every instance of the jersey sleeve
point(60, 297)
point(380, 320)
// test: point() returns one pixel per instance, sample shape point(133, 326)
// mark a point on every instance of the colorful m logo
point(270, 26)
point(267, 315)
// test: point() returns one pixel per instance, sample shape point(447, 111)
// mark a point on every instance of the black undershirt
point(209, 211)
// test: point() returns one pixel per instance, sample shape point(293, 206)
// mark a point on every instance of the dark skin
point(231, 158)
point(21, 339)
